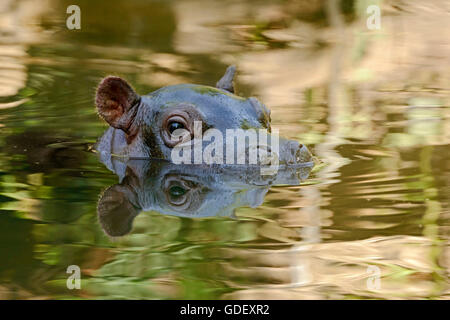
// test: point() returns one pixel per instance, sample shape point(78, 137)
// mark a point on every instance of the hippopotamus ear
point(115, 100)
point(226, 82)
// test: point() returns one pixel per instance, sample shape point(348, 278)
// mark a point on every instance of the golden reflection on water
point(373, 105)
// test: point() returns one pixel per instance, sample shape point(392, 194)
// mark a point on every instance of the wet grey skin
point(185, 190)
point(140, 125)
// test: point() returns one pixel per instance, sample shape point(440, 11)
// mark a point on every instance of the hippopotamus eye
point(177, 124)
point(174, 126)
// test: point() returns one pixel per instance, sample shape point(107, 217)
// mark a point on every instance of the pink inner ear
point(112, 111)
point(114, 97)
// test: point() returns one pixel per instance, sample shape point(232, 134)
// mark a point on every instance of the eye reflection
point(177, 191)
point(183, 193)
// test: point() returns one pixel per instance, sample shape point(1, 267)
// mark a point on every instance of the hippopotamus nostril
point(302, 154)
point(298, 155)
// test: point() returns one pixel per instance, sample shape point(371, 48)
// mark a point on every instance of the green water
point(372, 106)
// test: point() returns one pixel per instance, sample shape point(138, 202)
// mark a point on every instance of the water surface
point(372, 105)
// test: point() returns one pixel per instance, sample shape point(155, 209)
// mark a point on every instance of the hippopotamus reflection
point(185, 190)
point(151, 126)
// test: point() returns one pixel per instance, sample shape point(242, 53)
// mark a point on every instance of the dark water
point(372, 106)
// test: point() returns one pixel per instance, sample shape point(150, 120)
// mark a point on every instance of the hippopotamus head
point(148, 126)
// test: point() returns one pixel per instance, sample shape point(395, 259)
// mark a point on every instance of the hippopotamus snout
point(292, 152)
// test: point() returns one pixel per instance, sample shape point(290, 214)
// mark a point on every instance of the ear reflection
point(116, 212)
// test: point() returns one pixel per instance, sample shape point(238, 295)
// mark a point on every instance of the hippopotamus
point(152, 126)
point(192, 191)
